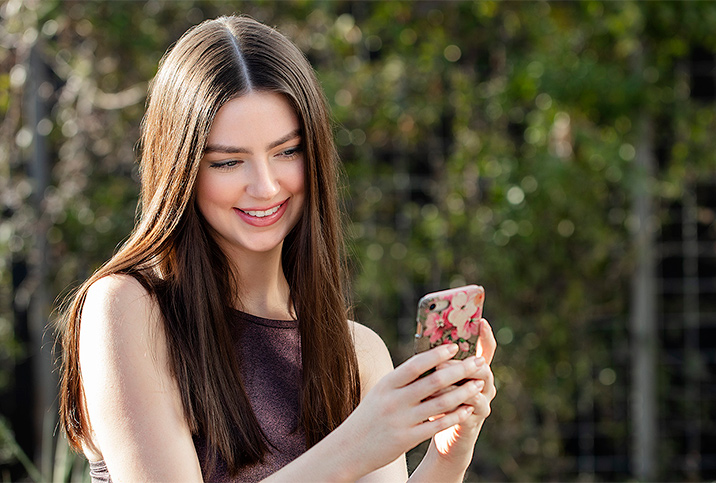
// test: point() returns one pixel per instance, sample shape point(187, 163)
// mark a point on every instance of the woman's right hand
point(399, 413)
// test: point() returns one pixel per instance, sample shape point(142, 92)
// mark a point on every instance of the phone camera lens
point(432, 306)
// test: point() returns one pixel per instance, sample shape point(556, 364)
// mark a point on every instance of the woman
point(216, 343)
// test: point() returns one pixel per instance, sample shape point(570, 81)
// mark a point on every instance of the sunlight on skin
point(478, 350)
point(446, 438)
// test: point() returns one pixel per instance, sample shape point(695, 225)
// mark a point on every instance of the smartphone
point(450, 316)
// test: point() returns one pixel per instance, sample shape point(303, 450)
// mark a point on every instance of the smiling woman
point(217, 343)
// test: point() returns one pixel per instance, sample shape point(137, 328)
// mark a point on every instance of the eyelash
point(289, 154)
point(292, 153)
point(225, 164)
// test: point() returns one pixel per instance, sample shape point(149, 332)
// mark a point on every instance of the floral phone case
point(450, 316)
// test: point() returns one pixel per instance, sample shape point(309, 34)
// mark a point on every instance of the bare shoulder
point(116, 294)
point(120, 319)
point(117, 307)
point(373, 356)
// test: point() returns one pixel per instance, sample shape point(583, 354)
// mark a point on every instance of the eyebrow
point(222, 148)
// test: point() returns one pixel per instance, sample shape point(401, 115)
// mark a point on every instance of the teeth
point(261, 214)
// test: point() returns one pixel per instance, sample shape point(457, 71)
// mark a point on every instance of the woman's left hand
point(456, 443)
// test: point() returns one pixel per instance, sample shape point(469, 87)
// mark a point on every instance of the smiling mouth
point(262, 214)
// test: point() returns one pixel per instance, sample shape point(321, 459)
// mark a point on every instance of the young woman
point(216, 343)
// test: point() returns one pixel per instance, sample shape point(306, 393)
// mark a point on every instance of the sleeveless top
point(269, 355)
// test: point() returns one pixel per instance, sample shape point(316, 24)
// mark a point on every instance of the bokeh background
point(560, 154)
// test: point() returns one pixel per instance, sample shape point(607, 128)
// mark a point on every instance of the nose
point(264, 184)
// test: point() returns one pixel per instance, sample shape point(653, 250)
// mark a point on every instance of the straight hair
point(172, 253)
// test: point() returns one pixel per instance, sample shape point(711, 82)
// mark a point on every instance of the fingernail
point(479, 385)
point(451, 349)
point(479, 361)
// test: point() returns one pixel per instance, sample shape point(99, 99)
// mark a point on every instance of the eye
point(225, 164)
point(291, 153)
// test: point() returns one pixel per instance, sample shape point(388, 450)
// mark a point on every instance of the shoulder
point(120, 319)
point(374, 359)
point(117, 304)
point(121, 337)
point(116, 294)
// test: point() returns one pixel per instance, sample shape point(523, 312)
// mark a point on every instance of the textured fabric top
point(269, 354)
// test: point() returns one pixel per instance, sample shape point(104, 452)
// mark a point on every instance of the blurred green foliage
point(484, 142)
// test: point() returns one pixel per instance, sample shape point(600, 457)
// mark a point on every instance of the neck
point(263, 286)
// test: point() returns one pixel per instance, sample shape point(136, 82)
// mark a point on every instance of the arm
point(131, 399)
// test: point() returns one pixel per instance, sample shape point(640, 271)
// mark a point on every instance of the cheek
point(202, 191)
point(212, 190)
point(295, 181)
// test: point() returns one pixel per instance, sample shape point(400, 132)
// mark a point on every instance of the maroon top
point(269, 354)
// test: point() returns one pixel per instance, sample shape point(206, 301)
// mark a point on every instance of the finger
point(489, 391)
point(451, 400)
point(449, 375)
point(481, 407)
point(482, 370)
point(445, 364)
point(417, 365)
point(429, 427)
point(452, 396)
point(442, 391)
point(486, 343)
point(481, 373)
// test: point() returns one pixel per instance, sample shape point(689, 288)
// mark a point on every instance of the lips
point(262, 217)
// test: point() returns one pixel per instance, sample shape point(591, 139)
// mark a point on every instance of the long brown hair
point(172, 254)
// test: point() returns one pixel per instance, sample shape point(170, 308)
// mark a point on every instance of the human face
point(250, 186)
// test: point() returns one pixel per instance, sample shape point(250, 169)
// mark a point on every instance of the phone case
point(450, 316)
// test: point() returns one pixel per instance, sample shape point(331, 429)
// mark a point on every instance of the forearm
point(434, 467)
point(336, 458)
point(439, 464)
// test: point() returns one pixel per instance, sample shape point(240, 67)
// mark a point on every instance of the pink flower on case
point(451, 316)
